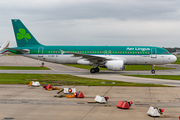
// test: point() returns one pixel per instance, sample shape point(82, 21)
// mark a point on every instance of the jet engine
point(115, 65)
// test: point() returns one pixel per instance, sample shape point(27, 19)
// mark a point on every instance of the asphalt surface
point(20, 102)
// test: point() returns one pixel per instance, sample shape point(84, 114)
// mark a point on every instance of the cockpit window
point(165, 52)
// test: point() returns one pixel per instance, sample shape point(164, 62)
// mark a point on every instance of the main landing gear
point(152, 69)
point(94, 70)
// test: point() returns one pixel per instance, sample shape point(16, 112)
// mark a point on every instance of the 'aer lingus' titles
point(138, 49)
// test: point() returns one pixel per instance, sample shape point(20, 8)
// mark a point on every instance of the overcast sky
point(94, 22)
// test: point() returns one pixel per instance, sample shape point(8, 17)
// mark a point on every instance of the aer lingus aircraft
point(111, 57)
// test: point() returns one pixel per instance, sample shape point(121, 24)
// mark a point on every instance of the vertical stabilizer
point(23, 36)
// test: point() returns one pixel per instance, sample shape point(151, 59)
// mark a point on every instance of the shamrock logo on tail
point(22, 34)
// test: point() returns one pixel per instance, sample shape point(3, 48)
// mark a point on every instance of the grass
point(171, 77)
point(63, 79)
point(22, 68)
point(128, 67)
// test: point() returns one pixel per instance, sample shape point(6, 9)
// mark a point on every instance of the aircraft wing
point(96, 59)
point(91, 58)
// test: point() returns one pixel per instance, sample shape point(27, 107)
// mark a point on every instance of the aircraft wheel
point(152, 71)
point(92, 70)
point(97, 69)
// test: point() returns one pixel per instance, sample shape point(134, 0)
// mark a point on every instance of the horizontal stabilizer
point(19, 50)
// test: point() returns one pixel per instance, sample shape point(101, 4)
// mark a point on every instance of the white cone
point(153, 112)
point(100, 99)
point(35, 84)
point(66, 90)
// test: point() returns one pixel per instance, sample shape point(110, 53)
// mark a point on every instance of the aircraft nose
point(173, 58)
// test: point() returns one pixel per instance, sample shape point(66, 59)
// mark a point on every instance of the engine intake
point(116, 65)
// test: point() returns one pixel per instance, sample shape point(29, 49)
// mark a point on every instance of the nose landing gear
point(152, 69)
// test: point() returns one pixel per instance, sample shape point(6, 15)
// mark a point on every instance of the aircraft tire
point(97, 69)
point(92, 70)
point(152, 71)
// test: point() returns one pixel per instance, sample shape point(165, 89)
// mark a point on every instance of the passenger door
point(40, 52)
point(153, 53)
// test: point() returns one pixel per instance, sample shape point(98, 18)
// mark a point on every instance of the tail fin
point(3, 47)
point(22, 35)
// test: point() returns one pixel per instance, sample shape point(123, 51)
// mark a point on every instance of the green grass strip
point(63, 79)
point(170, 77)
point(128, 67)
point(22, 68)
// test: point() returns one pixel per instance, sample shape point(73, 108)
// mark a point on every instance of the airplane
point(111, 57)
point(3, 50)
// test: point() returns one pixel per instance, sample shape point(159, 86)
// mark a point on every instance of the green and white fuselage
point(142, 55)
point(111, 57)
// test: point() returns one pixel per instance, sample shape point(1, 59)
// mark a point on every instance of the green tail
point(23, 37)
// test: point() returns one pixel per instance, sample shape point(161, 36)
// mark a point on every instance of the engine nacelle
point(115, 65)
point(84, 62)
